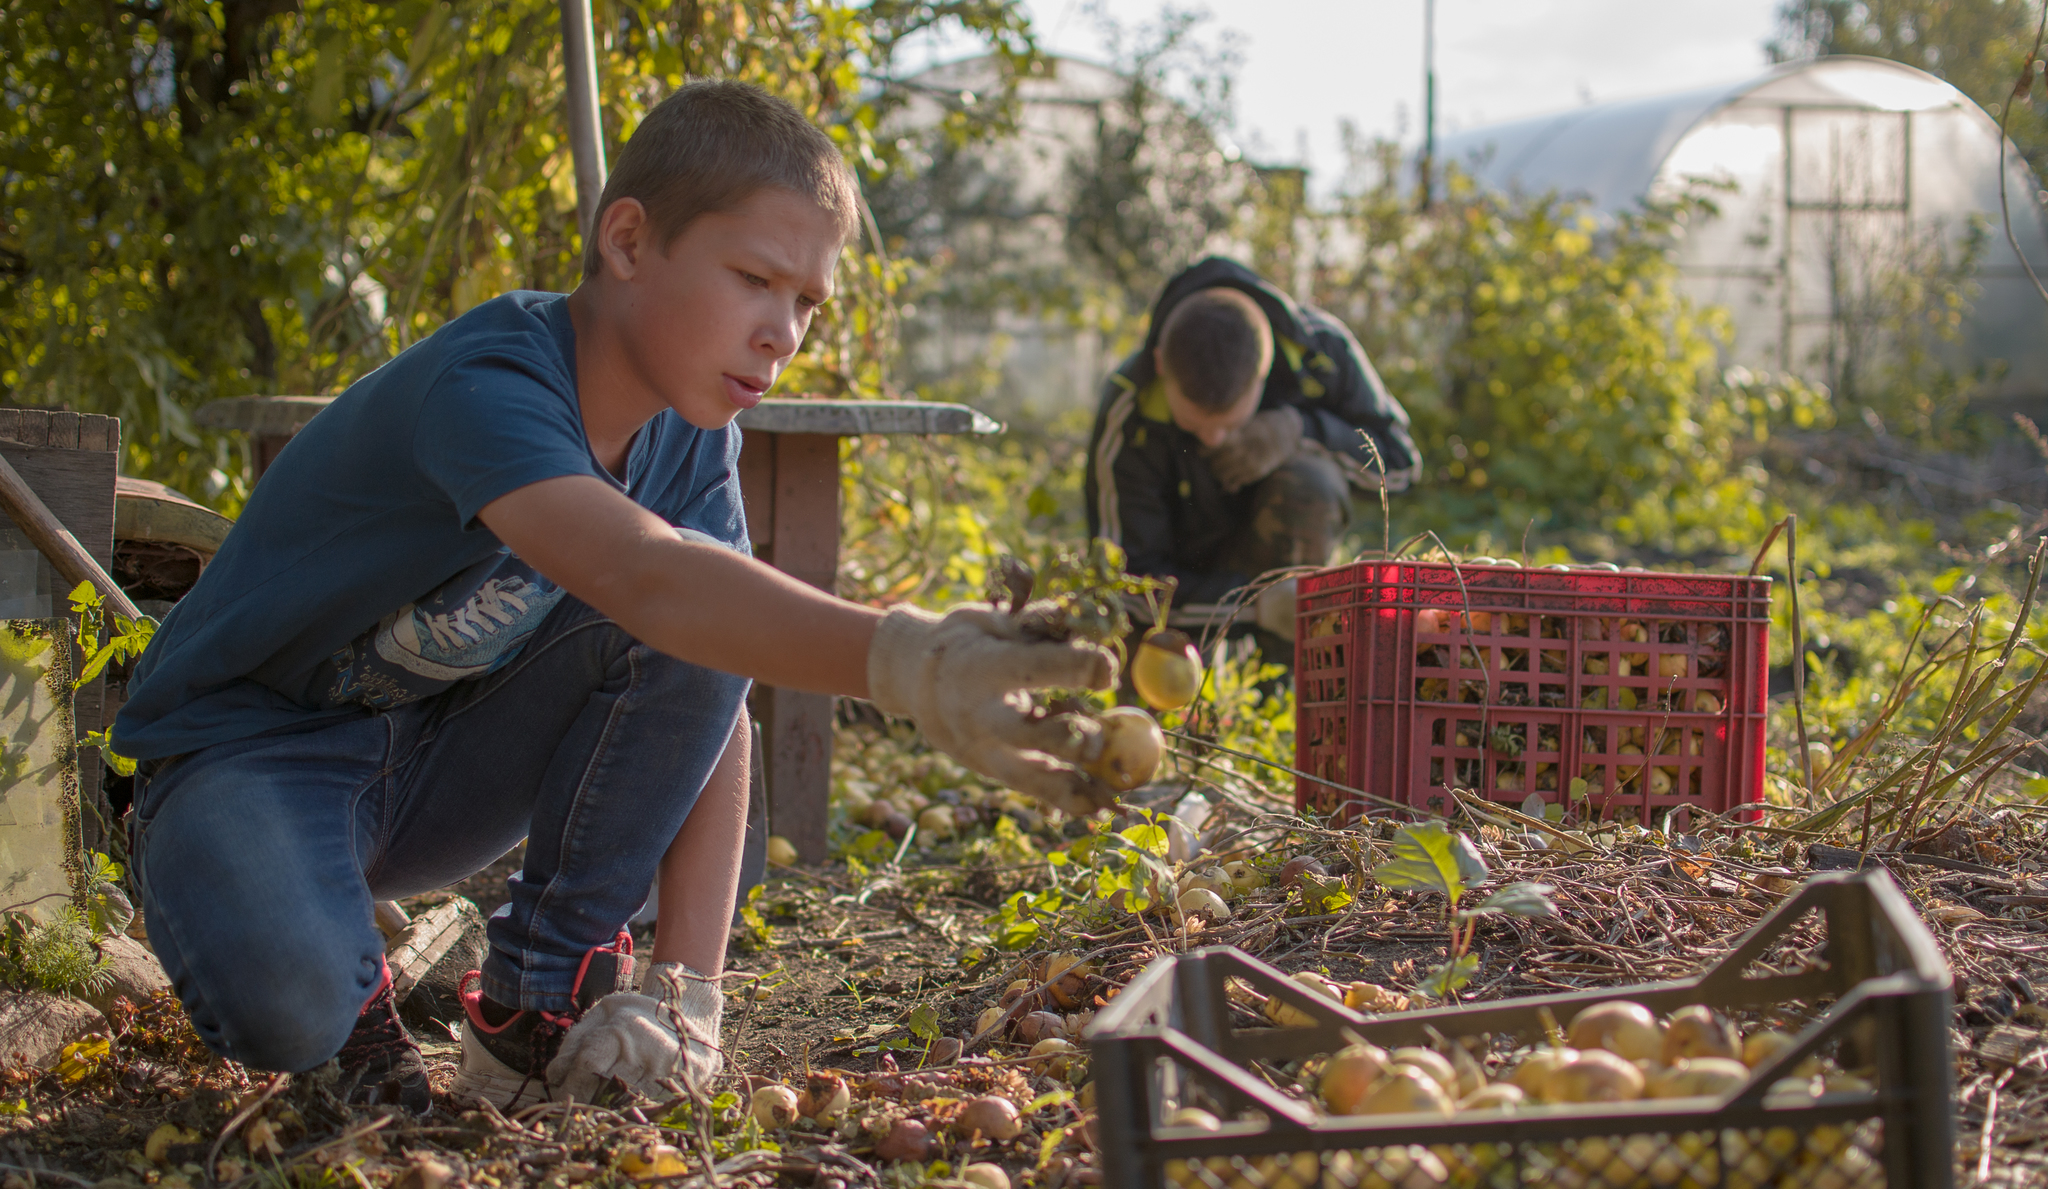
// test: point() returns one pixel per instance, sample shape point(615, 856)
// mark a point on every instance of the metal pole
point(1428, 162)
point(586, 135)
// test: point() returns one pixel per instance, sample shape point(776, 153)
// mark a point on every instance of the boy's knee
point(1298, 513)
point(1310, 482)
point(288, 1014)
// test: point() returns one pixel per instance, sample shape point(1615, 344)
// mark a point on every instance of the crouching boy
point(500, 589)
point(1230, 443)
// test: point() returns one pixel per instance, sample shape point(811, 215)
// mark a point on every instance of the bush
point(1552, 367)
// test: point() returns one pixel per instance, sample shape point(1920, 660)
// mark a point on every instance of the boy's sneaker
point(381, 1062)
point(505, 1051)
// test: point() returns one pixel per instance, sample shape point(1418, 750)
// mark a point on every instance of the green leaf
point(1017, 935)
point(1447, 979)
point(750, 914)
point(873, 846)
point(122, 765)
point(1046, 1146)
point(1430, 858)
point(1517, 899)
point(1148, 838)
point(85, 597)
point(924, 1023)
point(1320, 896)
point(134, 635)
point(1579, 788)
point(97, 663)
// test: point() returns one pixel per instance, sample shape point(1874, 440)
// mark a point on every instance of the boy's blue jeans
point(259, 860)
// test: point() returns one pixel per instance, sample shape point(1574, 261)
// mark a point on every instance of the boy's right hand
point(964, 679)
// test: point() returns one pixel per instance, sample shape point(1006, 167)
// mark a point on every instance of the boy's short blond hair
point(711, 146)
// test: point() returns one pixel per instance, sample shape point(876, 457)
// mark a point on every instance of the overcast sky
point(1308, 62)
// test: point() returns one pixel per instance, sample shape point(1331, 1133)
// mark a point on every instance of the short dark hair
point(712, 145)
point(1215, 343)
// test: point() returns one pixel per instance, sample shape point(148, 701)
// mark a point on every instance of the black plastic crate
point(1168, 1042)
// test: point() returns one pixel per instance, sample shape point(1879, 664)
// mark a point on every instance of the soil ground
point(843, 962)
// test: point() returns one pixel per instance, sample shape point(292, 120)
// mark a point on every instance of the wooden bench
point(789, 479)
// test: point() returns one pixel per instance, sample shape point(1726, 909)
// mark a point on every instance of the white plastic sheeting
point(1832, 177)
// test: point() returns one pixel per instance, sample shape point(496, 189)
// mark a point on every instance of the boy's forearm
point(691, 599)
point(718, 609)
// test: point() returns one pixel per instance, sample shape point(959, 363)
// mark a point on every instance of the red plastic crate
point(1414, 678)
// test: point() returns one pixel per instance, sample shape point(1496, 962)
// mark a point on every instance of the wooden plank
point(806, 514)
point(805, 529)
point(78, 486)
point(33, 428)
point(10, 425)
point(144, 515)
point(799, 730)
point(64, 430)
point(267, 447)
point(846, 417)
point(757, 489)
point(99, 432)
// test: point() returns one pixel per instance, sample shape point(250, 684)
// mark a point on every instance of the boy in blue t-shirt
point(500, 589)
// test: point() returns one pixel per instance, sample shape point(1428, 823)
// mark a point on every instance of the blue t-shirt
point(359, 578)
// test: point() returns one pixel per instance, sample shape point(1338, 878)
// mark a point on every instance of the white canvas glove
point(639, 1039)
point(963, 678)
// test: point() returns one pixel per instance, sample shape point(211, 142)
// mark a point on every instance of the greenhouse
point(1834, 180)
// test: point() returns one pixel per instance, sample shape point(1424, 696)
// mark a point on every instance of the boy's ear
point(623, 233)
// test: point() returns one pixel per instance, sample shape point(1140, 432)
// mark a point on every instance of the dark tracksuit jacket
point(1149, 489)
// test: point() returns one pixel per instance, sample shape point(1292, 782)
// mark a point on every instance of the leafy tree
point(1123, 181)
point(1157, 186)
point(1551, 365)
point(1978, 45)
point(203, 198)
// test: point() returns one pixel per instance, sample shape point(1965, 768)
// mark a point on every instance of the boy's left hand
point(641, 1039)
point(1257, 449)
point(965, 678)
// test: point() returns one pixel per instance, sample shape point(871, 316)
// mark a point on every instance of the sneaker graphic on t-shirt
point(471, 626)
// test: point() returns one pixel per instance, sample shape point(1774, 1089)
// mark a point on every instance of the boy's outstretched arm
point(959, 676)
point(692, 600)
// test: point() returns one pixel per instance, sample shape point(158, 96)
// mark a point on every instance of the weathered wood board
point(69, 459)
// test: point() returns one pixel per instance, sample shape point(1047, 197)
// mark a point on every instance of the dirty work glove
point(963, 679)
point(694, 1006)
point(1257, 448)
point(640, 1039)
point(1274, 609)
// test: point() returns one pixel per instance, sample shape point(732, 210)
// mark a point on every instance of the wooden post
point(803, 531)
point(268, 447)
